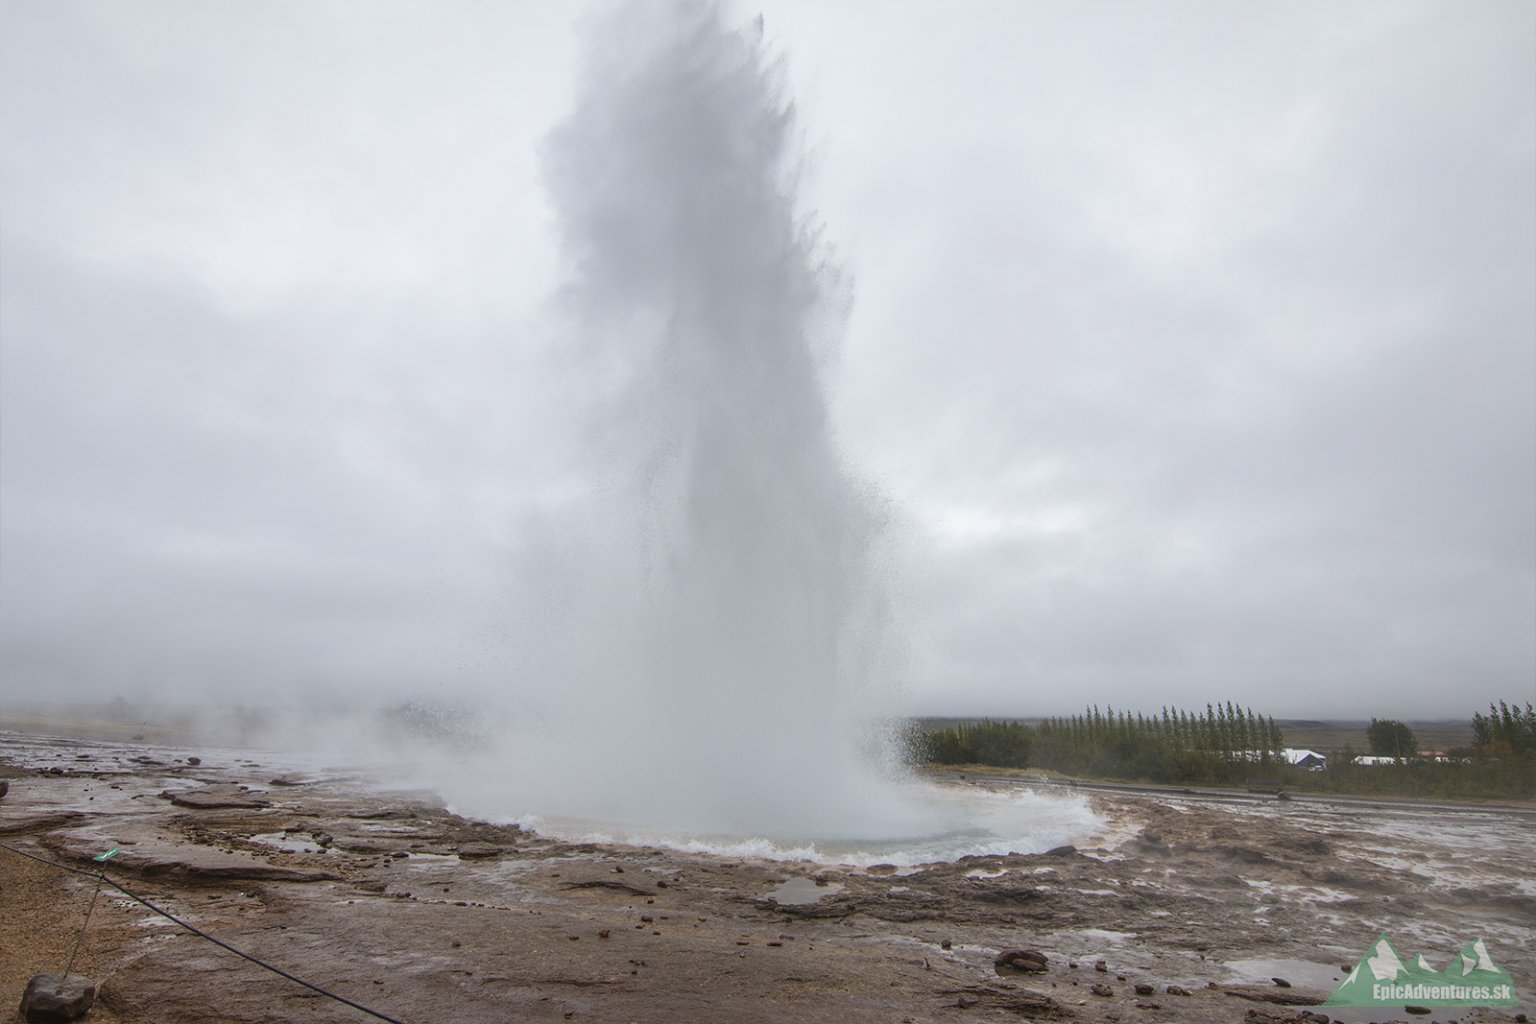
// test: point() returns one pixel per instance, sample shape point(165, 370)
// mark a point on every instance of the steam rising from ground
point(724, 623)
point(703, 629)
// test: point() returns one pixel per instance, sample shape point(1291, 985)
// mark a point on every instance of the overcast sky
point(1194, 344)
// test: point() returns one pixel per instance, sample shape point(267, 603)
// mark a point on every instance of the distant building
point(1311, 760)
point(1434, 756)
point(1301, 758)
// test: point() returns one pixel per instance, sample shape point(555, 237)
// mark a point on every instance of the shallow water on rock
point(801, 891)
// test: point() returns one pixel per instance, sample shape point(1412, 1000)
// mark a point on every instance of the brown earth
point(395, 903)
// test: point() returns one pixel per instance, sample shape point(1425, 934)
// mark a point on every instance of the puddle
point(799, 891)
point(1106, 936)
point(1301, 973)
point(289, 842)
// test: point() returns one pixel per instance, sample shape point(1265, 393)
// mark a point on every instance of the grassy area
point(87, 725)
point(1225, 746)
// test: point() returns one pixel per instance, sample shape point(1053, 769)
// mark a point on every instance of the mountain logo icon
point(1382, 977)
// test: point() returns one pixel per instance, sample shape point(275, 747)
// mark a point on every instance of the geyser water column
point(745, 632)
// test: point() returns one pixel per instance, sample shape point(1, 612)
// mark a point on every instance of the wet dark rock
point(1418, 1010)
point(1028, 961)
point(1344, 880)
point(1281, 982)
point(41, 823)
point(946, 944)
point(993, 893)
point(1061, 851)
point(1285, 997)
point(1101, 966)
point(1177, 990)
point(1264, 1017)
point(1025, 1002)
point(5, 787)
point(287, 781)
point(881, 869)
point(1102, 990)
point(1143, 989)
point(479, 851)
point(194, 761)
point(1245, 854)
point(605, 883)
point(54, 997)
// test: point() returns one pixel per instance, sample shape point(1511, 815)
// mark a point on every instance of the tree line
point(1224, 743)
point(1228, 744)
point(1505, 730)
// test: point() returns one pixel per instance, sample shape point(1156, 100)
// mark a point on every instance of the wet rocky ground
point(1185, 908)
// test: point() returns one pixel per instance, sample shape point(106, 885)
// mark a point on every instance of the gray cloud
point(1193, 343)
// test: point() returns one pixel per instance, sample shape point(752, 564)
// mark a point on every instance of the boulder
point(1030, 961)
point(56, 997)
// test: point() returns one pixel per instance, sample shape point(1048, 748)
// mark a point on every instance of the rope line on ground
point(102, 877)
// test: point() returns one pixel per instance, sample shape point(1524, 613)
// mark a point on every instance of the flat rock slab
point(57, 997)
point(211, 797)
point(1280, 996)
point(146, 856)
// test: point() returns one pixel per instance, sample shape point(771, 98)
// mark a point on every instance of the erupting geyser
point(722, 666)
point(755, 614)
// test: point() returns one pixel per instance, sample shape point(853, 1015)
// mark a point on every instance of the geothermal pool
point(964, 821)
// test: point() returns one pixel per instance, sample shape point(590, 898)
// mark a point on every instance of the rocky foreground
point(1185, 909)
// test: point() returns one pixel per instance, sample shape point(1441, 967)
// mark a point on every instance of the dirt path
point(399, 905)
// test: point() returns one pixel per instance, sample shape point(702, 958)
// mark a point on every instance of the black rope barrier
point(101, 877)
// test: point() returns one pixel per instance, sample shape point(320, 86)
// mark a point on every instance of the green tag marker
point(109, 854)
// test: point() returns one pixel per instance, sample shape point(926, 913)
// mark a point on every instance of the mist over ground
point(1187, 358)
